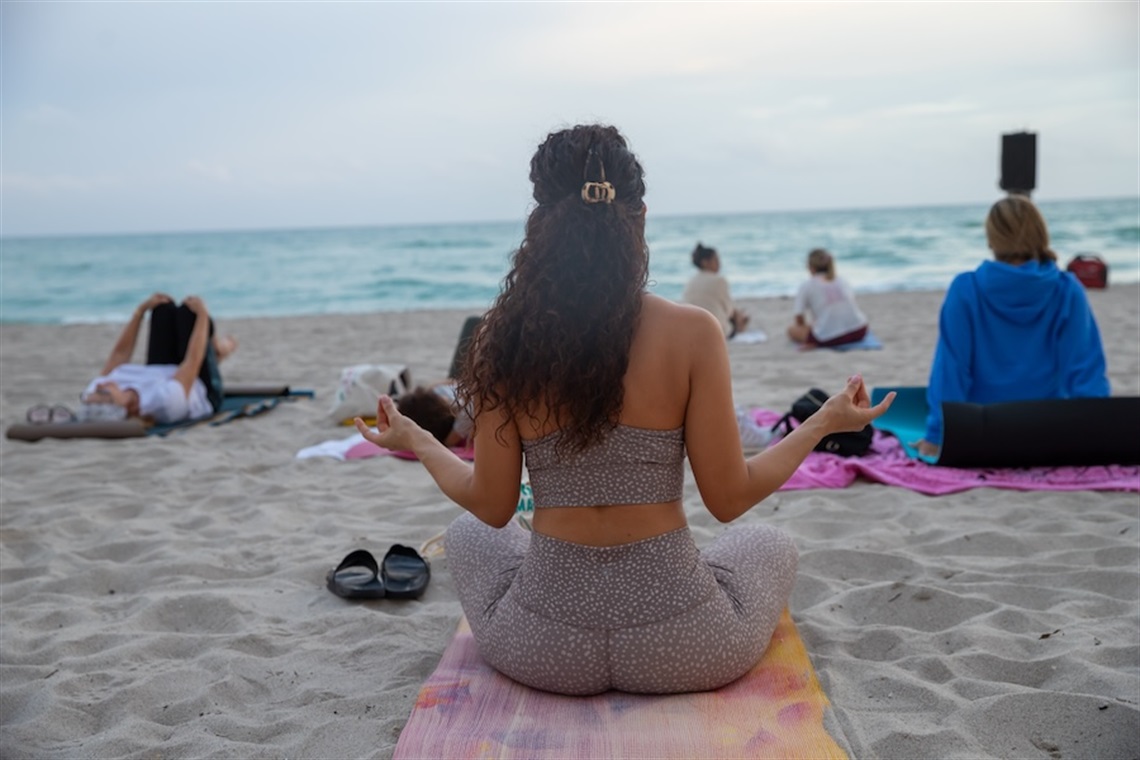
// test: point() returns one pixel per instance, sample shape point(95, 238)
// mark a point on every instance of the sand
point(165, 597)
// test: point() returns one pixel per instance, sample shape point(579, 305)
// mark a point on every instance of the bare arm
point(191, 364)
point(488, 489)
point(729, 484)
point(125, 346)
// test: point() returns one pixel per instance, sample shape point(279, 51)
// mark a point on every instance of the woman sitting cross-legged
point(603, 389)
point(835, 318)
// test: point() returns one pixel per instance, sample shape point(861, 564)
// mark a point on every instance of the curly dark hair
point(429, 410)
point(558, 336)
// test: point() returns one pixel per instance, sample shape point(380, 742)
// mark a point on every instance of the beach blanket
point(888, 463)
point(869, 343)
point(357, 446)
point(749, 336)
point(468, 710)
point(238, 402)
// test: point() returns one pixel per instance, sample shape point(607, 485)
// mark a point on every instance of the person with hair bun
point(1016, 328)
point(709, 289)
point(835, 318)
point(602, 388)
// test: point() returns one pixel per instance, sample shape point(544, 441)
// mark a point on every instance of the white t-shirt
point(160, 395)
point(709, 290)
point(831, 305)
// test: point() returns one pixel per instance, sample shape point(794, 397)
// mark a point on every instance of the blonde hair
point(821, 262)
point(1016, 232)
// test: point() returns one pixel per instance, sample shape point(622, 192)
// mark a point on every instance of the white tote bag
point(361, 386)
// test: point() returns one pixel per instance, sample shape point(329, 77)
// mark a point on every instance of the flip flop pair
point(403, 574)
point(42, 414)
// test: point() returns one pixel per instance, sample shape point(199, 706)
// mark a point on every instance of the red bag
point(1090, 270)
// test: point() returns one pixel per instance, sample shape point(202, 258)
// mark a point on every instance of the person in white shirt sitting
point(835, 318)
point(180, 380)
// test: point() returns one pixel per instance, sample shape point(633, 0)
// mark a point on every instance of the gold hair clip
point(598, 192)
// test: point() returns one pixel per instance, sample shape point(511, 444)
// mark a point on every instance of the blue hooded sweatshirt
point(1014, 333)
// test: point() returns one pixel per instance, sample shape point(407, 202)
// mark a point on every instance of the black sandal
point(356, 577)
point(405, 573)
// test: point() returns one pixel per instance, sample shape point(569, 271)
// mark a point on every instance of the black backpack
point(844, 444)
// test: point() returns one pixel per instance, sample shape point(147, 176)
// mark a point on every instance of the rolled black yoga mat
point(1049, 433)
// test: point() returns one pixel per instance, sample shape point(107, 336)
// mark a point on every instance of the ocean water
point(56, 280)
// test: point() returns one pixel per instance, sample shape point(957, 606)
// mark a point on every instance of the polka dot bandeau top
point(631, 466)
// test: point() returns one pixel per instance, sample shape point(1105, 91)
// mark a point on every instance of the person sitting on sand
point(602, 388)
point(1017, 328)
point(709, 290)
point(835, 318)
point(180, 379)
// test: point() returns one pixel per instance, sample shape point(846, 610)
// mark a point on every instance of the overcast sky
point(123, 117)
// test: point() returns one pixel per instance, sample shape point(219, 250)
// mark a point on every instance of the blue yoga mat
point(869, 343)
point(906, 419)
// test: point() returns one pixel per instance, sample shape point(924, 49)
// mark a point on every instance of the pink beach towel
point(887, 463)
point(366, 449)
point(468, 710)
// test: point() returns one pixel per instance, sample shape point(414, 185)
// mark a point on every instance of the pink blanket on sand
point(887, 463)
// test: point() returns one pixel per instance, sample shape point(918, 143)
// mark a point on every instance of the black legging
point(170, 329)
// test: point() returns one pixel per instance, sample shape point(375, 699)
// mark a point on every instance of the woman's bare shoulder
point(679, 316)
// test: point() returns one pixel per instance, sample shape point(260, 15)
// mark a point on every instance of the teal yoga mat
point(906, 419)
point(1078, 432)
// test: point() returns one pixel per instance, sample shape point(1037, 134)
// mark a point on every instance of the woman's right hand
point(194, 304)
point(850, 410)
point(393, 431)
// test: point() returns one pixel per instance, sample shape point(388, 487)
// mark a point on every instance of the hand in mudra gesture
point(850, 410)
point(393, 430)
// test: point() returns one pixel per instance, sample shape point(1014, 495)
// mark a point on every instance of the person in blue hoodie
point(1016, 328)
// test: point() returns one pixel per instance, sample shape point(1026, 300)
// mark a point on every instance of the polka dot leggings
point(656, 616)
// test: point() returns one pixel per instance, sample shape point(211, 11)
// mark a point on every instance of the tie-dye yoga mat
point(468, 710)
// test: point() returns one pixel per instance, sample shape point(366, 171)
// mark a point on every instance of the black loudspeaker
point(1018, 162)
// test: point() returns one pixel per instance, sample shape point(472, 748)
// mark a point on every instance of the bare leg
point(224, 345)
point(799, 333)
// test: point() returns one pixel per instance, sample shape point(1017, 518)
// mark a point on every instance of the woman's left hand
point(850, 410)
point(393, 430)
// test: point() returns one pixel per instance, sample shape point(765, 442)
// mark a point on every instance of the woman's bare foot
point(224, 345)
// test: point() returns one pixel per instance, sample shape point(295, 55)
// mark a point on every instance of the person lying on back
point(180, 379)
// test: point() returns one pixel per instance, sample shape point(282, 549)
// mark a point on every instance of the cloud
point(211, 171)
point(311, 113)
point(17, 184)
point(47, 115)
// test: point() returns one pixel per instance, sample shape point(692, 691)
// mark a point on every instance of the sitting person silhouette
point(709, 289)
point(835, 319)
point(1016, 328)
point(602, 390)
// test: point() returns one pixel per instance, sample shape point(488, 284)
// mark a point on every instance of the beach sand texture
point(166, 598)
